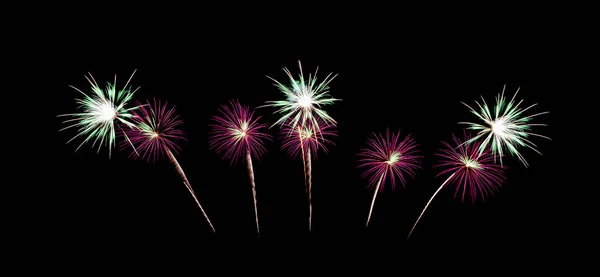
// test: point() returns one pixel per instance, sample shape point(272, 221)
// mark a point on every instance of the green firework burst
point(304, 101)
point(507, 129)
point(102, 111)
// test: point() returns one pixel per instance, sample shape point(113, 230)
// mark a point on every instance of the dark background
point(413, 81)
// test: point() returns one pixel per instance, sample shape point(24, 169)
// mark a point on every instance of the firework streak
point(236, 134)
point(304, 142)
point(188, 186)
point(472, 171)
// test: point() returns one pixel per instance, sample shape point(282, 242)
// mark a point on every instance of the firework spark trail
point(251, 174)
point(429, 202)
point(236, 134)
point(100, 111)
point(374, 197)
point(472, 171)
point(388, 156)
point(309, 182)
point(188, 185)
point(306, 143)
point(155, 134)
point(303, 160)
point(506, 128)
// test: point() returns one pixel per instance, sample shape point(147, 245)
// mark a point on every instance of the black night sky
point(392, 77)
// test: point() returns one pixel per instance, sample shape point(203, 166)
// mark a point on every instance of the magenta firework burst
point(236, 133)
point(156, 135)
point(157, 131)
point(297, 140)
point(388, 158)
point(472, 171)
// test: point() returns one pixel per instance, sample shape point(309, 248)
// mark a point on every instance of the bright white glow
point(305, 101)
point(305, 134)
point(499, 126)
point(468, 162)
point(154, 134)
point(394, 158)
point(243, 131)
point(106, 111)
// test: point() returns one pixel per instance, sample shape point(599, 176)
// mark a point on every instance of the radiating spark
point(507, 129)
point(236, 130)
point(100, 111)
point(390, 157)
point(304, 102)
point(157, 130)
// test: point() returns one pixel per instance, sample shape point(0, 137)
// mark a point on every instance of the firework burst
point(472, 171)
point(236, 133)
point(507, 129)
point(388, 158)
point(156, 135)
point(100, 111)
point(304, 101)
point(302, 112)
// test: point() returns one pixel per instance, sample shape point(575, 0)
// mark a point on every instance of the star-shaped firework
point(101, 112)
point(237, 133)
point(388, 158)
point(506, 129)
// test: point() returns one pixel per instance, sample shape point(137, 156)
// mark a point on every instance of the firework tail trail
point(128, 140)
point(251, 174)
point(187, 184)
point(307, 176)
point(303, 160)
point(375, 196)
point(430, 199)
point(309, 186)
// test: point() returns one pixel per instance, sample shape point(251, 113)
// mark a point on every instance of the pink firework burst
point(155, 135)
point(297, 141)
point(389, 158)
point(472, 171)
point(386, 159)
point(157, 131)
point(236, 132)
